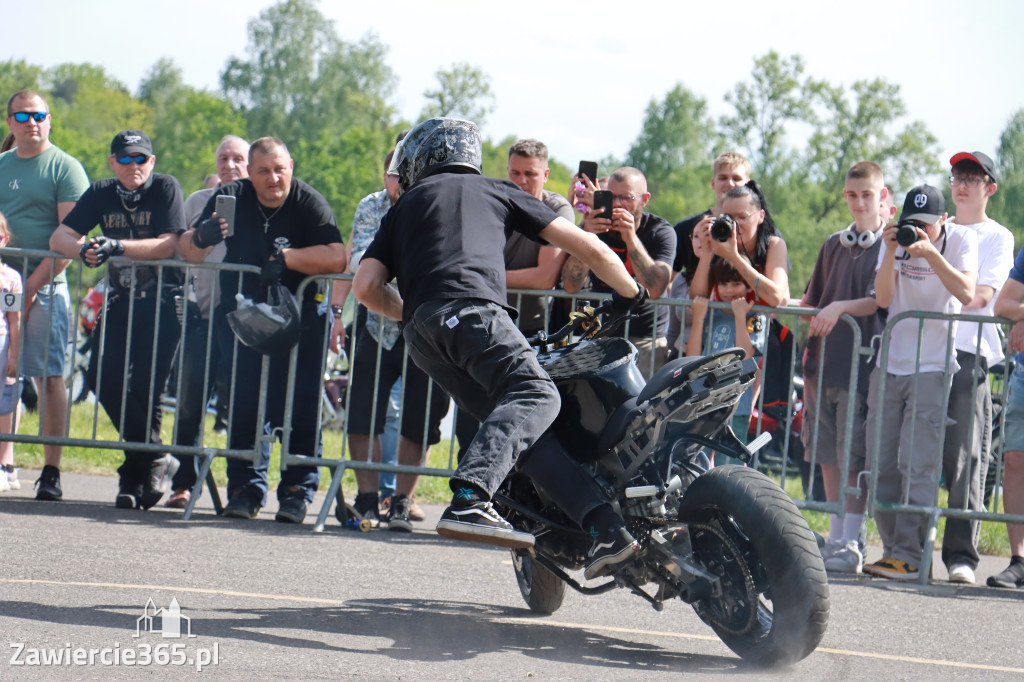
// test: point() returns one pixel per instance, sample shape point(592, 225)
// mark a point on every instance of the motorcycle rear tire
point(790, 580)
point(542, 590)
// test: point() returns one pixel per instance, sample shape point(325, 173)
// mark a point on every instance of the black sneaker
point(242, 505)
point(48, 485)
point(367, 505)
point(609, 551)
point(1012, 577)
point(158, 480)
point(128, 495)
point(480, 523)
point(398, 518)
point(292, 506)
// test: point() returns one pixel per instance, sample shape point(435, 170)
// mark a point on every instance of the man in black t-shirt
point(287, 228)
point(443, 240)
point(646, 245)
point(140, 214)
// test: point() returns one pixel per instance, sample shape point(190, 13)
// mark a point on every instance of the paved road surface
point(276, 601)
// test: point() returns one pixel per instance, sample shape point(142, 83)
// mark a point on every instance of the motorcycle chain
point(741, 564)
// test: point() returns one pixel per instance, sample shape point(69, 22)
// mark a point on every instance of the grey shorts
point(44, 336)
point(830, 420)
point(1013, 417)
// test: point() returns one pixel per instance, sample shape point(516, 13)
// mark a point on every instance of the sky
point(579, 75)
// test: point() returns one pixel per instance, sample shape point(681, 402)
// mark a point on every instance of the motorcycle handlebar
point(576, 322)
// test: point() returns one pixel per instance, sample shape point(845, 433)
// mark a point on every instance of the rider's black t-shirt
point(443, 239)
point(159, 211)
point(304, 219)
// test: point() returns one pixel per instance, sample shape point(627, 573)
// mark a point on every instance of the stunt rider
point(443, 241)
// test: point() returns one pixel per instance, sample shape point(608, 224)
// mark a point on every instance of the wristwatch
point(337, 310)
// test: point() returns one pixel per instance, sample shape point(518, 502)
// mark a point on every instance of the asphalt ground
point(266, 600)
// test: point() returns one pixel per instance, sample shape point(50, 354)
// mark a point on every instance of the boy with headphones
point(843, 282)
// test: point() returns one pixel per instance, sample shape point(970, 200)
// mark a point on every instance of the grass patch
point(431, 489)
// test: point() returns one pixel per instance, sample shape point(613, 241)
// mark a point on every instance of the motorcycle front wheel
point(542, 590)
point(775, 602)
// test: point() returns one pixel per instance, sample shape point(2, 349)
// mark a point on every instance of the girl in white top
point(10, 327)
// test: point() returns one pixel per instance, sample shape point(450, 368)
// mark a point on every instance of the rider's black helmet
point(436, 144)
point(267, 328)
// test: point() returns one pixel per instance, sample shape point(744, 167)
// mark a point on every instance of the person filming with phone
point(646, 244)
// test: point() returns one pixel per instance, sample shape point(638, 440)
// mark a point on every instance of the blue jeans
point(389, 441)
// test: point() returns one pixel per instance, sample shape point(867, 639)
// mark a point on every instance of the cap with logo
point(131, 142)
point(979, 158)
point(924, 203)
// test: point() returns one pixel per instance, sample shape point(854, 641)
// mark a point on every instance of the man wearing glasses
point(141, 216)
point(647, 245)
point(39, 185)
point(968, 440)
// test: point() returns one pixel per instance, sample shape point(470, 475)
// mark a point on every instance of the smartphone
point(603, 203)
point(589, 168)
point(225, 208)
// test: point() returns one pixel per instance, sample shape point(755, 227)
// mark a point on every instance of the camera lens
point(722, 228)
point(906, 234)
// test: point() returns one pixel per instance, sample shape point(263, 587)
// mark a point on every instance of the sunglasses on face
point(24, 116)
point(127, 160)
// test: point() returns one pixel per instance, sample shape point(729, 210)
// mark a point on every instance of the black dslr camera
point(722, 228)
point(906, 233)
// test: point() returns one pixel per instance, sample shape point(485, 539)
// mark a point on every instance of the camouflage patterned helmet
point(435, 144)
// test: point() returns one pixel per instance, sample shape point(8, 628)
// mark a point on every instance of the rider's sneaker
point(608, 551)
point(158, 480)
point(48, 485)
point(894, 569)
point(846, 559)
point(399, 516)
point(479, 522)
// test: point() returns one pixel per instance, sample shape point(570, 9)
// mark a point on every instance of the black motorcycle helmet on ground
point(436, 144)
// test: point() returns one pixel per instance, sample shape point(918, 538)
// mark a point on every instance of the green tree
point(1007, 204)
point(847, 131)
point(674, 153)
point(773, 98)
point(299, 78)
point(463, 91)
point(188, 124)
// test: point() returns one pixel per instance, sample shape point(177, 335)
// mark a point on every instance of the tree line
point(328, 99)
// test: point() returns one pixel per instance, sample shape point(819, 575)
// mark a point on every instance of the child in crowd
point(935, 273)
point(680, 318)
point(10, 328)
point(843, 282)
point(742, 328)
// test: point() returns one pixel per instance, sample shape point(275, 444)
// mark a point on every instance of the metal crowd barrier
point(789, 450)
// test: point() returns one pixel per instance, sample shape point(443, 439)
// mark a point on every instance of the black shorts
point(415, 384)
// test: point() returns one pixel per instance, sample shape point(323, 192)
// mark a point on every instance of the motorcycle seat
point(669, 376)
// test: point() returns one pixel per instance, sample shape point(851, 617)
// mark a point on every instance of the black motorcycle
point(727, 541)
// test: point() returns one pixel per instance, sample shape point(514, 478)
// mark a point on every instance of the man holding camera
point(926, 265)
point(140, 213)
point(646, 245)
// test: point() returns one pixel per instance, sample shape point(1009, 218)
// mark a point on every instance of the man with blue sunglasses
point(39, 185)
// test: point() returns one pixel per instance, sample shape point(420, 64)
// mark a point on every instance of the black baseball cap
point(131, 142)
point(924, 203)
point(979, 158)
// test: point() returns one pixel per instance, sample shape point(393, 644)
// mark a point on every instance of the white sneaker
point(5, 483)
point(12, 479)
point(830, 548)
point(961, 573)
point(848, 559)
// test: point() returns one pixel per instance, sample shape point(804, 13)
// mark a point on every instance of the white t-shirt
point(919, 289)
point(995, 258)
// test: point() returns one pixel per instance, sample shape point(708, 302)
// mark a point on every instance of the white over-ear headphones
point(850, 237)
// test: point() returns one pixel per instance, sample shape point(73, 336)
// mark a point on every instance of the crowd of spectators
point(921, 413)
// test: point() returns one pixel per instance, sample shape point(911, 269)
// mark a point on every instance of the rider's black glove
point(207, 233)
point(272, 269)
point(622, 305)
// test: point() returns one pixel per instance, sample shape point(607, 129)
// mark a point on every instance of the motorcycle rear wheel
point(542, 590)
point(744, 528)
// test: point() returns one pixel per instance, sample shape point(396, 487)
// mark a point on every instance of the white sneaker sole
point(499, 537)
